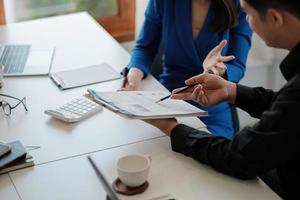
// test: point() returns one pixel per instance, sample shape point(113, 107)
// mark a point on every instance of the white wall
point(140, 11)
point(262, 67)
point(140, 6)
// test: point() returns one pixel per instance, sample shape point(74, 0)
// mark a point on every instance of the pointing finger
point(227, 58)
point(219, 48)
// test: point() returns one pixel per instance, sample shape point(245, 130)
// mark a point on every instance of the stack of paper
point(143, 104)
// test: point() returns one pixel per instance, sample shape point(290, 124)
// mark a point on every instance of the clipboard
point(142, 104)
point(84, 76)
point(92, 95)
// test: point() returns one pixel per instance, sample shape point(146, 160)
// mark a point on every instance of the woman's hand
point(133, 81)
point(209, 90)
point(214, 62)
point(165, 125)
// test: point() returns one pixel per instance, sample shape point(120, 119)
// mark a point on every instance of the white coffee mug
point(1, 75)
point(133, 170)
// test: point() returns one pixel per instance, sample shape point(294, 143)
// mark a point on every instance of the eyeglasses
point(7, 107)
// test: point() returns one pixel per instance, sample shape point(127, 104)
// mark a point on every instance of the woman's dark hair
point(291, 6)
point(225, 15)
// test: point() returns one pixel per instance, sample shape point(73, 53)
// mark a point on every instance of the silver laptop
point(26, 60)
point(110, 193)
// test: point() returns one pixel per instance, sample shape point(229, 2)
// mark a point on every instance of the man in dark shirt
point(271, 145)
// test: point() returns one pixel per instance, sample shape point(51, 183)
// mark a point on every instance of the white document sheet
point(142, 104)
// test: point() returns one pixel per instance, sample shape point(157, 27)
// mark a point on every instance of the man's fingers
point(197, 92)
point(199, 96)
point(195, 80)
point(182, 96)
point(179, 89)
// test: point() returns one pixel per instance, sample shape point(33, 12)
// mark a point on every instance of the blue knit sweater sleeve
point(239, 45)
point(149, 38)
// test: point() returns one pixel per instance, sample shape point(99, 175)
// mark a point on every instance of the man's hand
point(133, 81)
point(165, 125)
point(210, 90)
point(214, 61)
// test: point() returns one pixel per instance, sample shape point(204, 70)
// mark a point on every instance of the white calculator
point(75, 111)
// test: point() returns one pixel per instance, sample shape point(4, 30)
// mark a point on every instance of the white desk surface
point(7, 190)
point(182, 177)
point(79, 41)
point(61, 173)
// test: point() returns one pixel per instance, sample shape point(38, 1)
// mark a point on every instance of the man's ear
point(275, 17)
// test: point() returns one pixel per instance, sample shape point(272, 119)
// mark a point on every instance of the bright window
point(21, 10)
point(116, 16)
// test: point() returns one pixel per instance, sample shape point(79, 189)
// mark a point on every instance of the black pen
point(177, 92)
point(124, 73)
point(182, 89)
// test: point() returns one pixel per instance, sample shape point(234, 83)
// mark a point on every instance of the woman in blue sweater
point(188, 30)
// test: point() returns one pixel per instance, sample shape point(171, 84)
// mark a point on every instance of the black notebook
point(4, 149)
point(18, 164)
point(17, 152)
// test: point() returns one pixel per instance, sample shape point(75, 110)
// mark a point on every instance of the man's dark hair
point(291, 6)
point(225, 15)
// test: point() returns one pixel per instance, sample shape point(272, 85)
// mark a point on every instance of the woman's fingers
point(221, 66)
point(131, 86)
point(218, 48)
point(214, 71)
point(223, 44)
point(227, 58)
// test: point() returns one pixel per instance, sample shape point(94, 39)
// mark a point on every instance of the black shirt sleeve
point(253, 100)
point(274, 140)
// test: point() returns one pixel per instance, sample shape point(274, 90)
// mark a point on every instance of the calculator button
point(75, 110)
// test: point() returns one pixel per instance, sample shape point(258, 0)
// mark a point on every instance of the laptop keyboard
point(14, 57)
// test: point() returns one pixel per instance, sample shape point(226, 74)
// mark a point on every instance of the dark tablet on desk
point(111, 194)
